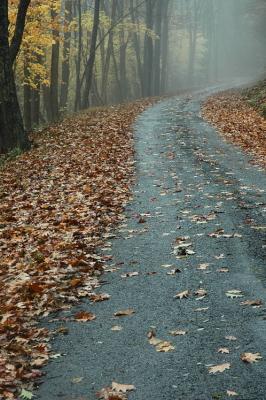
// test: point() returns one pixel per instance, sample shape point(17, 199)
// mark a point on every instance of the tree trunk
point(12, 132)
point(90, 62)
point(164, 45)
point(148, 50)
point(54, 72)
point(66, 60)
point(78, 60)
point(157, 50)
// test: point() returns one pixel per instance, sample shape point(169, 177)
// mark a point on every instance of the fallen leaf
point(164, 347)
point(99, 297)
point(130, 274)
point(178, 333)
point(233, 294)
point(203, 267)
point(201, 309)
point(201, 292)
point(118, 387)
point(252, 303)
point(231, 393)
point(77, 380)
point(84, 316)
point(26, 395)
point(123, 313)
point(116, 328)
point(250, 357)
point(223, 270)
point(174, 271)
point(219, 368)
point(182, 295)
point(223, 350)
point(231, 338)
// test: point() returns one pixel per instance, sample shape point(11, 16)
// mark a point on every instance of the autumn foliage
point(58, 203)
point(238, 122)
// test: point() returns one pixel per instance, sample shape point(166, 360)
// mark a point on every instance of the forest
point(132, 199)
point(60, 56)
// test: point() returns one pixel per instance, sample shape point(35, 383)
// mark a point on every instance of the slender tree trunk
point(54, 72)
point(164, 44)
point(12, 132)
point(90, 62)
point(78, 60)
point(157, 49)
point(66, 59)
point(148, 50)
point(137, 47)
point(27, 96)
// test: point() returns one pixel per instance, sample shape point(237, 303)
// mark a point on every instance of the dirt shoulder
point(58, 203)
point(240, 117)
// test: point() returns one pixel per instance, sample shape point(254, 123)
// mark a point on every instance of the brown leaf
point(123, 313)
point(84, 316)
point(252, 303)
point(182, 295)
point(219, 368)
point(178, 333)
point(130, 274)
point(99, 297)
point(164, 347)
point(118, 387)
point(223, 350)
point(250, 357)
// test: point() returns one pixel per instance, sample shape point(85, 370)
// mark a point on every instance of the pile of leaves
point(256, 97)
point(58, 203)
point(238, 122)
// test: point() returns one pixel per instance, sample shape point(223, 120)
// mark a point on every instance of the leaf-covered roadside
point(238, 122)
point(58, 204)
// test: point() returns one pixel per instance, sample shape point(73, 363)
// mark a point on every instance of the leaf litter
point(58, 204)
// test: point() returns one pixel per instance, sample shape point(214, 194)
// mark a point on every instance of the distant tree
point(12, 133)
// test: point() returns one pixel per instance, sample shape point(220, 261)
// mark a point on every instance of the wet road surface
point(199, 206)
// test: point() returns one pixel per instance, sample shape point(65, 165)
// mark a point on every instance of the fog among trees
point(68, 55)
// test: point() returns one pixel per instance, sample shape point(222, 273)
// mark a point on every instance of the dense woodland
point(62, 56)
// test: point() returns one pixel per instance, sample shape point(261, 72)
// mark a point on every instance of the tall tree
point(90, 63)
point(12, 133)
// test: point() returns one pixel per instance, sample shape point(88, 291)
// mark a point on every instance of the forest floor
point(240, 115)
point(58, 203)
point(179, 313)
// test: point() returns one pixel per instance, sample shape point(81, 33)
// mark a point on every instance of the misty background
point(81, 53)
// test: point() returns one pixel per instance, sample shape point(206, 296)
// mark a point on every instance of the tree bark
point(54, 72)
point(90, 62)
point(66, 59)
point(12, 133)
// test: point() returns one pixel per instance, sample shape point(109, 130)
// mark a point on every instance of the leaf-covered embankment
point(238, 115)
point(58, 203)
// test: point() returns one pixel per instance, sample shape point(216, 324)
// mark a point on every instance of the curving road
point(190, 183)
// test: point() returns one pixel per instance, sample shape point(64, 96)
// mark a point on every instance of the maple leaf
point(84, 316)
point(250, 357)
point(219, 368)
point(203, 267)
point(123, 313)
point(182, 295)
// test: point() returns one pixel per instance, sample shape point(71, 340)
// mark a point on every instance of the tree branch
point(19, 29)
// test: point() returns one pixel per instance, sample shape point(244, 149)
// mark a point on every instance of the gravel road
point(199, 207)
